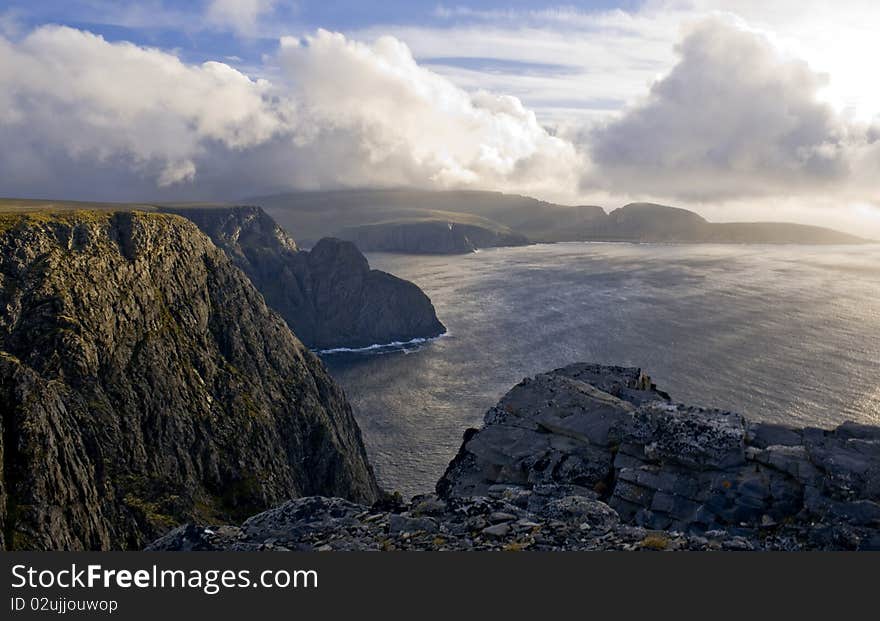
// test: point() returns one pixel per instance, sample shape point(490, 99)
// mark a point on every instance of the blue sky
point(739, 109)
point(344, 14)
point(647, 30)
point(177, 24)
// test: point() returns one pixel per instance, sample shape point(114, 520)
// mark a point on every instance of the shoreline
point(380, 346)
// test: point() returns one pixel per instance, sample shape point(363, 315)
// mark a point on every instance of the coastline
point(395, 345)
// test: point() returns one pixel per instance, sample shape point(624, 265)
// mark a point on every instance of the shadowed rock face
point(329, 296)
point(592, 457)
point(346, 304)
point(144, 383)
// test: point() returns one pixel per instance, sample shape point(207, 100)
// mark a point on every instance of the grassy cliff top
point(10, 219)
point(69, 215)
point(16, 210)
point(25, 205)
point(31, 205)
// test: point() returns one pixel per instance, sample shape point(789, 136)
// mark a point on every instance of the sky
point(740, 110)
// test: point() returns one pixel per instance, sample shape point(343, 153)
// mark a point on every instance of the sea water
point(778, 333)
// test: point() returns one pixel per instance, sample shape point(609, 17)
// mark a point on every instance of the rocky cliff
point(144, 383)
point(329, 296)
point(346, 304)
point(591, 457)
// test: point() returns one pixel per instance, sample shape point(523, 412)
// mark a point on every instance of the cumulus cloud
point(81, 117)
point(127, 121)
point(733, 118)
point(70, 95)
point(408, 125)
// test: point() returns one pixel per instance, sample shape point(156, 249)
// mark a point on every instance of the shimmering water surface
point(781, 333)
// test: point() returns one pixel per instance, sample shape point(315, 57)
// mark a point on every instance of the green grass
point(15, 213)
point(25, 205)
point(29, 217)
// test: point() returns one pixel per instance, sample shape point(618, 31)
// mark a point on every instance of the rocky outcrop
point(429, 237)
point(329, 296)
point(145, 383)
point(592, 457)
point(667, 466)
point(346, 304)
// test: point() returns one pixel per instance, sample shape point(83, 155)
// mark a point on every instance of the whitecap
point(380, 348)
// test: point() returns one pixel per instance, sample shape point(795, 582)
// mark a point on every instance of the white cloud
point(613, 58)
point(78, 111)
point(733, 118)
point(412, 126)
point(64, 92)
point(838, 38)
point(617, 54)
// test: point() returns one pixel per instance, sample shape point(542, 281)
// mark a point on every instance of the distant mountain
point(411, 221)
point(649, 222)
point(424, 221)
point(393, 220)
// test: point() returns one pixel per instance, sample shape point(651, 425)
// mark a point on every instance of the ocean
point(779, 333)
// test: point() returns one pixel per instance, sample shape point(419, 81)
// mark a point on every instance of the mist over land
point(410, 221)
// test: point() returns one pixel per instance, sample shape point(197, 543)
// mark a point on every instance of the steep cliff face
point(329, 296)
point(346, 304)
point(144, 382)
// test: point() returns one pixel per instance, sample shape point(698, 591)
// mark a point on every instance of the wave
point(381, 347)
